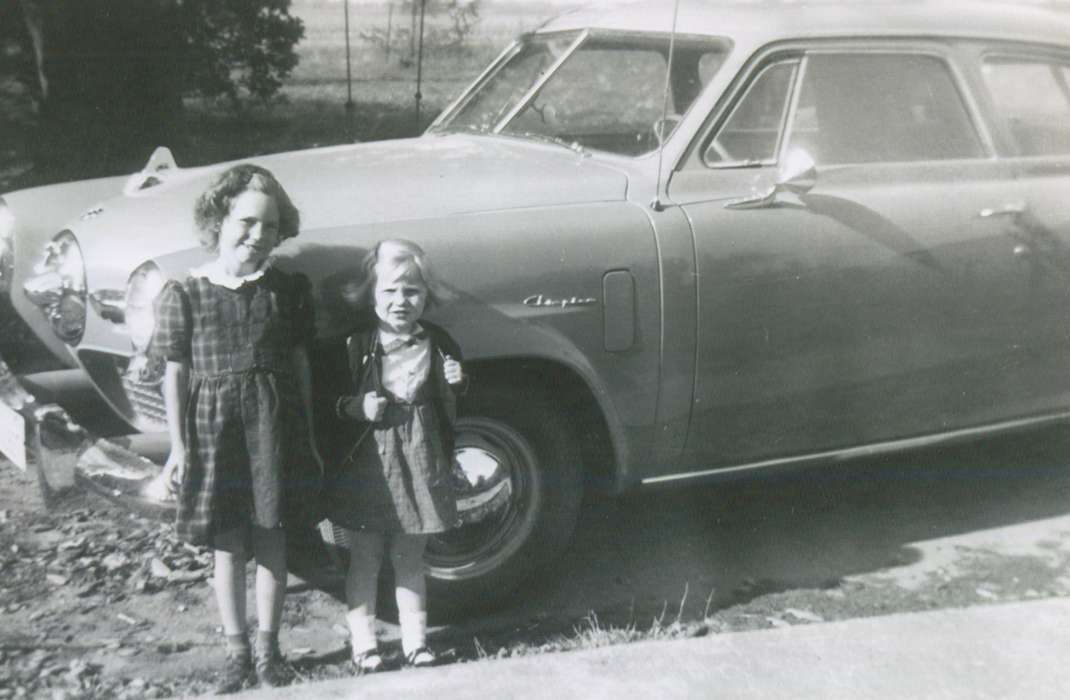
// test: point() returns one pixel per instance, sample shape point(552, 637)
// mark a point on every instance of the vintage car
point(769, 235)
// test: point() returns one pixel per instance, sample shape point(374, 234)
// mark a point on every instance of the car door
point(1029, 96)
point(876, 306)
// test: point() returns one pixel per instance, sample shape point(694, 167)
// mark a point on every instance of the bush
point(109, 75)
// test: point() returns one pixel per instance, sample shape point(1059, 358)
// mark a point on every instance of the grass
point(592, 633)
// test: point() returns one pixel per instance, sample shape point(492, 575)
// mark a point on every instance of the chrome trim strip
point(453, 107)
point(534, 89)
point(874, 450)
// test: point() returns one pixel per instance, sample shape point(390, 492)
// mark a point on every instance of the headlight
point(142, 289)
point(7, 246)
point(58, 287)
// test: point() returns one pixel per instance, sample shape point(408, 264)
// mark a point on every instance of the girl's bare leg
point(407, 556)
point(229, 581)
point(362, 582)
point(229, 584)
point(269, 547)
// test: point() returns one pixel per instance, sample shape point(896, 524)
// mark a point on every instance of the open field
point(310, 109)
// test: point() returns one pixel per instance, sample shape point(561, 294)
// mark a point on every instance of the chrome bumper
point(64, 456)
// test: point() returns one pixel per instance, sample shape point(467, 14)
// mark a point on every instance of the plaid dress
point(246, 436)
point(398, 478)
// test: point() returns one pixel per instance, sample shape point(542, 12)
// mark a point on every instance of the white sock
point(413, 631)
point(361, 631)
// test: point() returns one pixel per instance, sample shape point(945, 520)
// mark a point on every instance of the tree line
point(107, 77)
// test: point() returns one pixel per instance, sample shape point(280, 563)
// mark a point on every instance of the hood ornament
point(161, 164)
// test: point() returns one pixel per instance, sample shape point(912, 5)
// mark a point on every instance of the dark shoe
point(271, 669)
point(235, 672)
point(370, 661)
point(421, 658)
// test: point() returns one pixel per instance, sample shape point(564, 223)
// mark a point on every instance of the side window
point(881, 108)
point(1032, 98)
point(751, 134)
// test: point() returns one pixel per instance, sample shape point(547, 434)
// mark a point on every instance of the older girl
point(237, 393)
point(395, 490)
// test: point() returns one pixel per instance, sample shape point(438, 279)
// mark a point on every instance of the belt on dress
point(194, 374)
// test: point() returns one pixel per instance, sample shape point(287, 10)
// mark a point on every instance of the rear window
point(1032, 99)
point(864, 108)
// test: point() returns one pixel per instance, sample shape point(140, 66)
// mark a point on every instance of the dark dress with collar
point(398, 478)
point(246, 433)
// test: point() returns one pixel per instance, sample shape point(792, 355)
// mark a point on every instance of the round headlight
point(58, 288)
point(142, 289)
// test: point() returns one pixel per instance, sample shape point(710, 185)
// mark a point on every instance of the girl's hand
point(374, 406)
point(451, 369)
point(166, 484)
point(174, 469)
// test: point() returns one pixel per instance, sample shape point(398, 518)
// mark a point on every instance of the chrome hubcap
point(496, 480)
point(484, 485)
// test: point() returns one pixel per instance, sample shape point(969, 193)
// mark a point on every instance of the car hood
point(421, 178)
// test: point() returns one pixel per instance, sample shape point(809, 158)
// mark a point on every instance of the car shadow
point(685, 554)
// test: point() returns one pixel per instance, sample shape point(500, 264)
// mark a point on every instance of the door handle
point(1008, 209)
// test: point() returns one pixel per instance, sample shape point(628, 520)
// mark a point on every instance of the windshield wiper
point(573, 146)
point(449, 128)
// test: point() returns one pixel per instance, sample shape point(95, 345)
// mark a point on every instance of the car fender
point(40, 213)
point(525, 291)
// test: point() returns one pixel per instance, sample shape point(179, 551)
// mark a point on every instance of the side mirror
point(797, 174)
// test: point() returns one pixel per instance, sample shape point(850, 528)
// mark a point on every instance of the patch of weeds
point(592, 632)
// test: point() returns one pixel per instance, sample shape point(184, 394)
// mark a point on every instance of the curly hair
point(398, 252)
point(214, 203)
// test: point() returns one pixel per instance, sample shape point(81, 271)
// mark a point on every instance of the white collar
point(214, 273)
point(389, 338)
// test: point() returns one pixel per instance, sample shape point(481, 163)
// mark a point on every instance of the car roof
point(760, 22)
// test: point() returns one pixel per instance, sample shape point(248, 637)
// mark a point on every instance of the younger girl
point(237, 394)
point(394, 490)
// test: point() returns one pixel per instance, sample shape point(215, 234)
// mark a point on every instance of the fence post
point(349, 80)
point(420, 63)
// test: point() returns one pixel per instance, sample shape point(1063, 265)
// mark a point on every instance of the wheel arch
point(596, 432)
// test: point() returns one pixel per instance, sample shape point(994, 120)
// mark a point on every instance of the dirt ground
point(97, 603)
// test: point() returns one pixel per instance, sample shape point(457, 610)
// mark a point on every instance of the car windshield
point(603, 92)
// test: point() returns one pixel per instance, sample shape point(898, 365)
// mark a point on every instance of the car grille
point(147, 402)
point(132, 385)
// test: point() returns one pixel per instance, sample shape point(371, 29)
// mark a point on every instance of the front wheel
point(518, 499)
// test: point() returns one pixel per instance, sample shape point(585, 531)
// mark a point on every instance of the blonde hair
point(397, 252)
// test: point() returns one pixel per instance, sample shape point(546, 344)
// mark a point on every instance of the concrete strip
point(1013, 650)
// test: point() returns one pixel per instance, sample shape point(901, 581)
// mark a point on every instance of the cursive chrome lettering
point(540, 300)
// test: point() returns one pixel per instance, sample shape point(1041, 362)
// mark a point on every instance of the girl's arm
point(303, 373)
point(171, 342)
point(175, 390)
point(367, 407)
